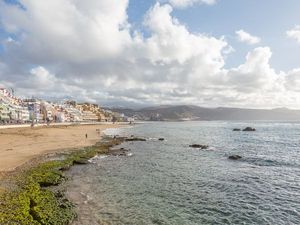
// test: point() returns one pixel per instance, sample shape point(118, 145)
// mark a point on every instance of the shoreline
point(21, 145)
point(36, 195)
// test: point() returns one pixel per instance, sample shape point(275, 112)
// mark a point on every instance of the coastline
point(20, 145)
point(35, 193)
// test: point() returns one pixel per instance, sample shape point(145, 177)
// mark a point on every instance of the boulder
point(249, 129)
point(199, 146)
point(234, 157)
point(236, 129)
point(135, 139)
point(81, 161)
point(118, 152)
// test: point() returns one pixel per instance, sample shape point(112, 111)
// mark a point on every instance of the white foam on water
point(152, 139)
point(97, 157)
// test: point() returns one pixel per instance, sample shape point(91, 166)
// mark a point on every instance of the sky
point(136, 53)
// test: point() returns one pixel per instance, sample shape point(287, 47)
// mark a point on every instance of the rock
point(199, 146)
point(249, 129)
point(161, 139)
point(118, 152)
point(234, 157)
point(135, 139)
point(65, 168)
point(81, 161)
point(236, 129)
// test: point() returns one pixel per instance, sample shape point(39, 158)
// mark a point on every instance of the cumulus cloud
point(171, 41)
point(68, 30)
point(186, 3)
point(245, 37)
point(292, 80)
point(88, 51)
point(294, 33)
point(256, 73)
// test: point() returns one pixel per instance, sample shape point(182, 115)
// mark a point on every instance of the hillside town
point(15, 110)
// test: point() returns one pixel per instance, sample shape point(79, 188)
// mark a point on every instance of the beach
point(159, 181)
point(20, 145)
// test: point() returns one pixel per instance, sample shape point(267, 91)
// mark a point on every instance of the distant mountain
point(190, 112)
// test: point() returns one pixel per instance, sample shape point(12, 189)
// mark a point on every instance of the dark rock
point(249, 129)
point(118, 152)
point(81, 161)
point(135, 139)
point(161, 139)
point(199, 146)
point(236, 129)
point(234, 157)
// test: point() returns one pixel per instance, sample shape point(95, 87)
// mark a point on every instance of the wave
point(269, 162)
point(97, 157)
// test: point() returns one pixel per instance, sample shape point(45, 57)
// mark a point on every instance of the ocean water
point(169, 183)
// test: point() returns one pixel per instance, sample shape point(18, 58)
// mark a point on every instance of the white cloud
point(292, 80)
point(256, 73)
point(294, 33)
point(69, 30)
point(42, 78)
point(88, 51)
point(171, 41)
point(186, 3)
point(245, 37)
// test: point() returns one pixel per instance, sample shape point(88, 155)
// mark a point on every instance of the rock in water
point(161, 139)
point(199, 146)
point(135, 139)
point(249, 129)
point(118, 152)
point(236, 129)
point(234, 157)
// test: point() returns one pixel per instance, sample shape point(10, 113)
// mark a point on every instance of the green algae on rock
point(33, 202)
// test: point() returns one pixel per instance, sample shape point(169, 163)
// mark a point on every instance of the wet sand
point(20, 145)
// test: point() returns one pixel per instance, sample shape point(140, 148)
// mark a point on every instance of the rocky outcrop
point(81, 161)
point(118, 152)
point(135, 139)
point(199, 146)
point(249, 129)
point(236, 129)
point(234, 157)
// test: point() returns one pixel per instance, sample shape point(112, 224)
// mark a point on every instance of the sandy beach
point(20, 145)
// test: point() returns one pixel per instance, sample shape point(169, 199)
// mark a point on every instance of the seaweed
point(34, 202)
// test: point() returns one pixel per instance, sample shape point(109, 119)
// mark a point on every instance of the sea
point(169, 183)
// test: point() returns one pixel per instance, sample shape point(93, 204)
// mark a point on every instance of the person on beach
point(86, 136)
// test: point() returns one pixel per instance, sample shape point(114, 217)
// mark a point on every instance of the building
point(17, 110)
point(48, 111)
point(25, 115)
point(4, 113)
point(89, 112)
point(34, 107)
point(75, 114)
